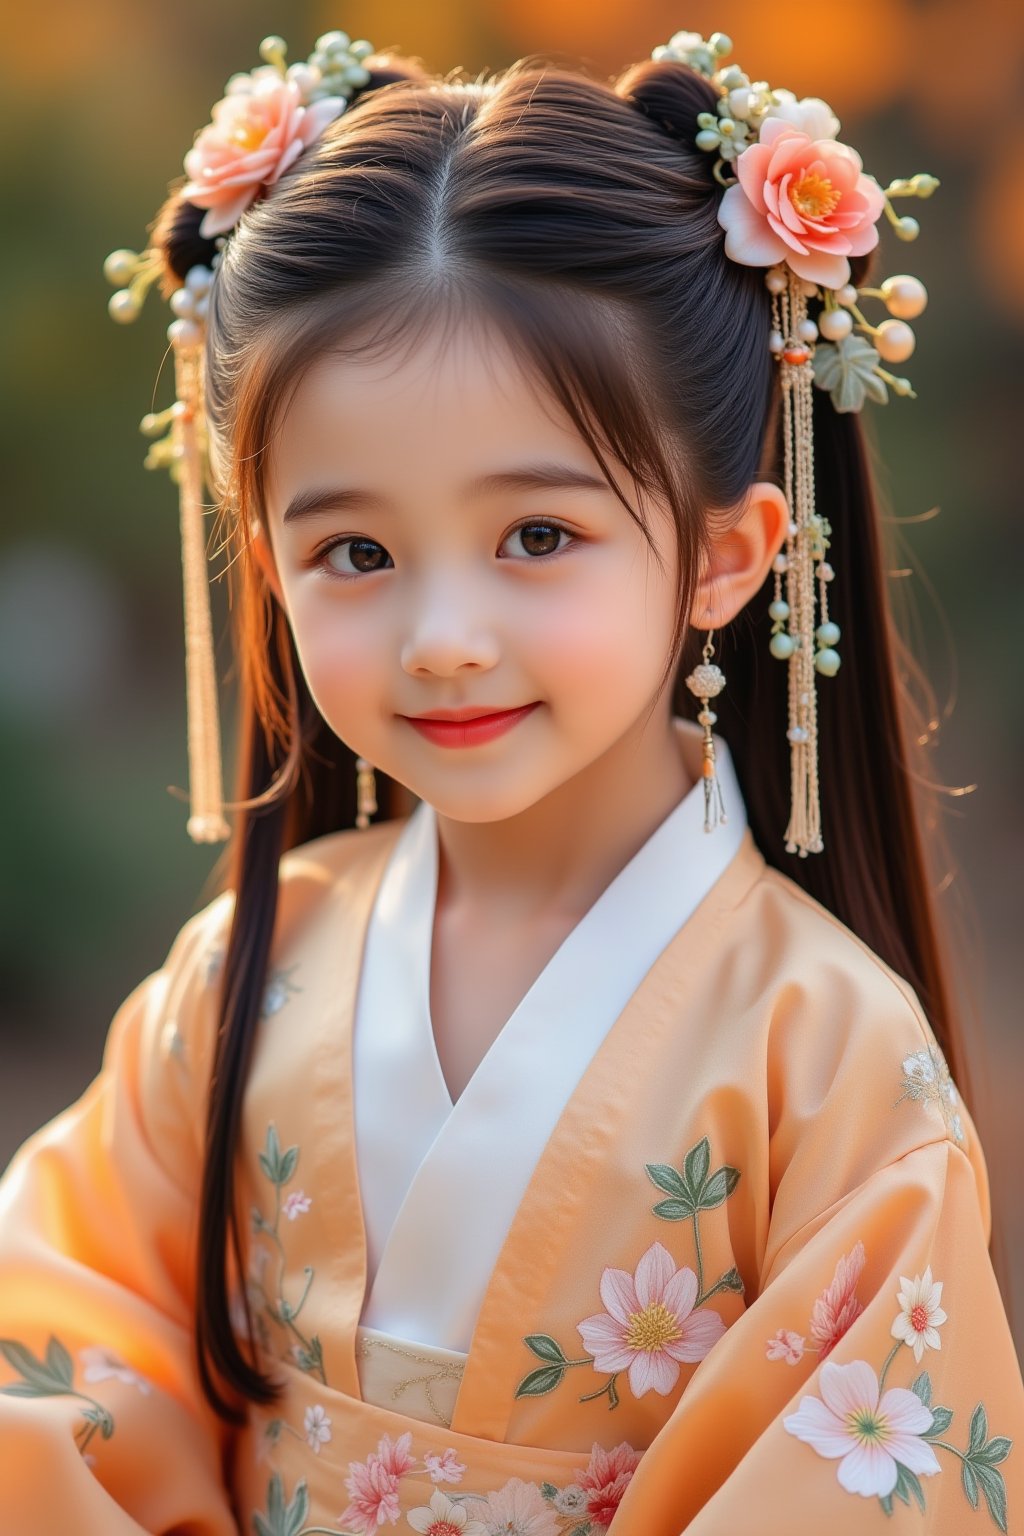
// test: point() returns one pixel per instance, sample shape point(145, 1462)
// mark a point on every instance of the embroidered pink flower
point(837, 1307)
point(920, 1313)
point(650, 1324)
point(607, 1476)
point(295, 1204)
point(518, 1508)
point(372, 1485)
point(785, 1345)
point(446, 1468)
point(258, 129)
point(800, 200)
point(870, 1435)
point(443, 1518)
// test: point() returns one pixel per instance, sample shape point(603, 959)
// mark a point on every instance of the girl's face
point(441, 539)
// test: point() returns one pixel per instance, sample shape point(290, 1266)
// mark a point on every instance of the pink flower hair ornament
point(260, 126)
point(801, 203)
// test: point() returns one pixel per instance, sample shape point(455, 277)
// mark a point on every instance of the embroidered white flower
point(295, 1204)
point(571, 1501)
point(446, 1468)
point(443, 1518)
point(869, 1433)
point(920, 1314)
point(101, 1364)
point(926, 1077)
point(317, 1426)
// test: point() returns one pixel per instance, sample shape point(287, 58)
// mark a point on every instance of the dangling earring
point(366, 793)
point(706, 681)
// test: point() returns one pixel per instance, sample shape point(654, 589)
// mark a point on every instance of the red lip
point(465, 728)
point(467, 712)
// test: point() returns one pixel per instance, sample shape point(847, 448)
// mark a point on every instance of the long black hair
point(583, 215)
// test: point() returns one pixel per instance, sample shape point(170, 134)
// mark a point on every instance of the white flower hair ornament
point(261, 125)
point(800, 204)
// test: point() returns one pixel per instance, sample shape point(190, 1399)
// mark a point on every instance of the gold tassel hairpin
point(790, 151)
point(308, 96)
point(206, 822)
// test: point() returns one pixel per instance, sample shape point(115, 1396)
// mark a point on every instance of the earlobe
point(742, 556)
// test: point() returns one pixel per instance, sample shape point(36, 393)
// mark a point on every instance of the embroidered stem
point(890, 1357)
point(700, 1261)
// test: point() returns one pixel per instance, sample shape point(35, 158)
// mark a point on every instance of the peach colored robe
point(763, 1196)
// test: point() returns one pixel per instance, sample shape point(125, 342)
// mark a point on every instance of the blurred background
point(99, 106)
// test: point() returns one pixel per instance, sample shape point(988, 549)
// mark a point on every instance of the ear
point(741, 556)
point(264, 557)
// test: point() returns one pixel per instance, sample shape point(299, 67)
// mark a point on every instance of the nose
point(446, 631)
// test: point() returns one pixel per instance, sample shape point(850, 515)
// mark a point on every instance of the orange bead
point(796, 354)
point(709, 768)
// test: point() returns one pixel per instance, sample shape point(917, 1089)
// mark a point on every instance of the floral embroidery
point(54, 1377)
point(833, 1312)
point(279, 1167)
point(584, 1507)
point(655, 1317)
point(101, 1364)
point(885, 1440)
point(318, 1426)
point(448, 1519)
point(920, 1315)
point(926, 1077)
point(277, 991)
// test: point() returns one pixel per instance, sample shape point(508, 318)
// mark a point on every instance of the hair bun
point(671, 94)
point(175, 230)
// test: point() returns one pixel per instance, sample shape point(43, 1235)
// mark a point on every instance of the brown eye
point(540, 538)
point(366, 556)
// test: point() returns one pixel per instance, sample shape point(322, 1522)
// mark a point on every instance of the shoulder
point(843, 1027)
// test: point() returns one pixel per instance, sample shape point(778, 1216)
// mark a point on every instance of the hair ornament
point(798, 202)
point(266, 118)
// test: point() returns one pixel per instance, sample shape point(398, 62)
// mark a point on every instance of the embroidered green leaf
point(994, 1489)
point(732, 1280)
point(669, 1179)
point(545, 1348)
point(277, 1166)
point(941, 1420)
point(908, 1483)
point(997, 1450)
point(718, 1188)
point(100, 1417)
point(548, 1490)
point(46, 1378)
point(539, 1382)
point(282, 1519)
point(675, 1210)
point(941, 1417)
point(970, 1483)
point(696, 1165)
point(979, 1430)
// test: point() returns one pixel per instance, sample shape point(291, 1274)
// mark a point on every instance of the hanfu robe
point(701, 1247)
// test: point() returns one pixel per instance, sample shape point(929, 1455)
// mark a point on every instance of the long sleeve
point(872, 1382)
point(103, 1427)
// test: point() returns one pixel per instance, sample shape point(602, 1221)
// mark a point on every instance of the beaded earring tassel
point(706, 682)
point(366, 793)
point(206, 822)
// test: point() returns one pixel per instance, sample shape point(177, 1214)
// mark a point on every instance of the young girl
point(567, 1143)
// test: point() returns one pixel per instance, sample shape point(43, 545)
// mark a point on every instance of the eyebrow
point(530, 477)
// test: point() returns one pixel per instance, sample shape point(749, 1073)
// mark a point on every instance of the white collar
point(415, 1150)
